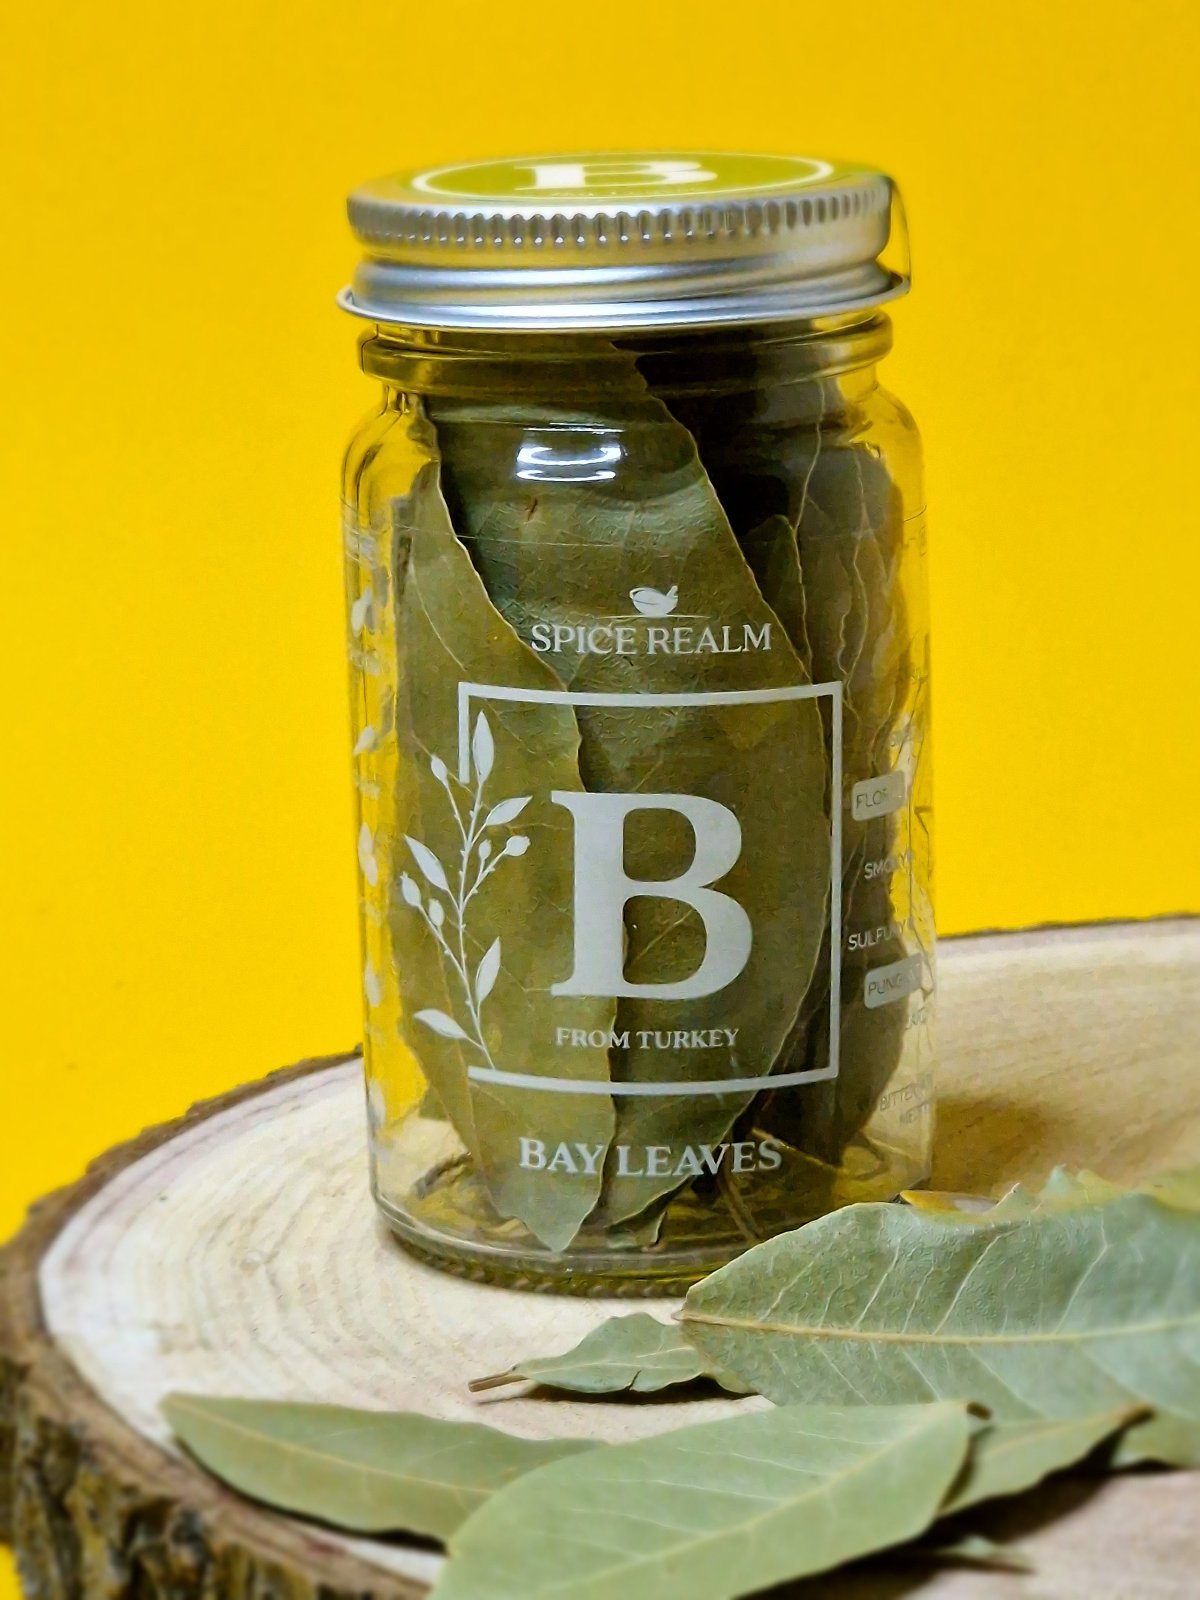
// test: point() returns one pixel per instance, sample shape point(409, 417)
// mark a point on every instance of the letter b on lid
point(665, 172)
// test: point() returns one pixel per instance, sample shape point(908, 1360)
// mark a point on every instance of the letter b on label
point(602, 890)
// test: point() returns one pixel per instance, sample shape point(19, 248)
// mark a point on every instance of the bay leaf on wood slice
point(1179, 1188)
point(1061, 1314)
point(567, 544)
point(367, 1471)
point(977, 1550)
point(634, 1354)
point(952, 1204)
point(1007, 1457)
point(713, 1511)
point(463, 916)
point(1064, 1187)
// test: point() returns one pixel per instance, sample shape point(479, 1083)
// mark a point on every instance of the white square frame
point(468, 692)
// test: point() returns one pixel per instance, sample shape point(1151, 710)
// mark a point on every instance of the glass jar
point(640, 681)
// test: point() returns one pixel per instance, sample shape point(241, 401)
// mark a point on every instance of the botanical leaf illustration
point(441, 1023)
point(450, 633)
point(366, 855)
point(636, 1353)
point(713, 1511)
point(1006, 1457)
point(487, 971)
point(1061, 1315)
point(360, 611)
point(428, 863)
point(556, 549)
point(483, 748)
point(369, 1471)
point(506, 811)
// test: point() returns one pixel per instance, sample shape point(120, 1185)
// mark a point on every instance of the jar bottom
point(447, 1222)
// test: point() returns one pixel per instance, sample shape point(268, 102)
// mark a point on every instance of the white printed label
point(885, 984)
point(878, 797)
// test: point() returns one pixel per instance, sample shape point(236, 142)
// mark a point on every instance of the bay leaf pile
point(921, 1361)
point(526, 520)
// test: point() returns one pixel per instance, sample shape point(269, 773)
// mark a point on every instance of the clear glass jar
point(640, 676)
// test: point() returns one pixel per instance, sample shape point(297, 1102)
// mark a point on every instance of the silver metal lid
point(624, 241)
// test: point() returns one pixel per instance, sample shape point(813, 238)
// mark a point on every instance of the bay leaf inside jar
point(790, 460)
point(570, 514)
point(480, 907)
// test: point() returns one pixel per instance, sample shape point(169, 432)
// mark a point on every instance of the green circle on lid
point(617, 177)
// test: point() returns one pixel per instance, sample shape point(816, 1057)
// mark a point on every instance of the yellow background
point(176, 386)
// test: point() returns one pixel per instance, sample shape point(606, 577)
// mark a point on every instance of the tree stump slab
point(236, 1252)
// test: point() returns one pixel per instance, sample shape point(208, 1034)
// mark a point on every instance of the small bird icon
point(653, 602)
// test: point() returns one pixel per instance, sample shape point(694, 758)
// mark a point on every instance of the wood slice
point(236, 1252)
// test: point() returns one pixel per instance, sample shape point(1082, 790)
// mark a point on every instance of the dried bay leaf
point(713, 1511)
point(773, 556)
point(509, 908)
point(568, 544)
point(849, 535)
point(635, 1353)
point(847, 521)
point(1007, 1457)
point(809, 471)
point(955, 1205)
point(1179, 1188)
point(1059, 1315)
point(368, 1471)
point(977, 1550)
point(1062, 1189)
point(875, 674)
point(828, 602)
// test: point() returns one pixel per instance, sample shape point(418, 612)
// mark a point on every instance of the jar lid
point(623, 241)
